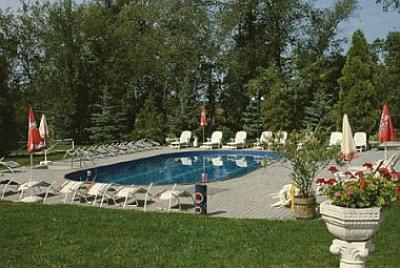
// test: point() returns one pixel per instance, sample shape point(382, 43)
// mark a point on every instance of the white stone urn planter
point(354, 228)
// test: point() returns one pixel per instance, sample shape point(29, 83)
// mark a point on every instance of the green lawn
point(75, 236)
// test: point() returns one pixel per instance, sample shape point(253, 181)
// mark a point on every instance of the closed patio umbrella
point(347, 146)
point(386, 127)
point(44, 134)
point(35, 142)
point(203, 119)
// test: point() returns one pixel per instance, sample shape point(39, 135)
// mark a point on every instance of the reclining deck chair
point(214, 142)
point(360, 139)
point(284, 195)
point(184, 140)
point(263, 141)
point(335, 138)
point(128, 194)
point(172, 196)
point(97, 192)
point(238, 142)
point(11, 166)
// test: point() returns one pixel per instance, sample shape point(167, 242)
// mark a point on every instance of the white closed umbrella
point(347, 146)
point(44, 134)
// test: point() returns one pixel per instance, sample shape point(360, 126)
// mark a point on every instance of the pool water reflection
point(181, 168)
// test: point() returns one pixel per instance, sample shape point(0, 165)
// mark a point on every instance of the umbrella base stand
point(46, 163)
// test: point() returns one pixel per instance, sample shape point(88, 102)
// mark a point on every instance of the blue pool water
point(181, 168)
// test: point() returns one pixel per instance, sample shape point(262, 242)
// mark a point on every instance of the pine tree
point(358, 94)
point(252, 118)
point(392, 74)
point(183, 110)
point(108, 122)
point(148, 123)
point(318, 112)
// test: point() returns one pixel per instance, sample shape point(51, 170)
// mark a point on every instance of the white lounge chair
point(11, 166)
point(238, 142)
point(96, 192)
point(128, 194)
point(172, 196)
point(360, 139)
point(281, 137)
point(184, 140)
point(284, 195)
point(214, 142)
point(335, 138)
point(67, 189)
point(264, 140)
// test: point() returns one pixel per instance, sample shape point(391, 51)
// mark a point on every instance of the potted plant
point(355, 208)
point(306, 154)
point(357, 200)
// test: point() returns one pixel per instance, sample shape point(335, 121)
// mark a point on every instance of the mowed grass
point(75, 236)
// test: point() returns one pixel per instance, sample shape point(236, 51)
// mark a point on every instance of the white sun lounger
point(360, 139)
point(214, 142)
point(238, 142)
point(184, 140)
point(172, 196)
point(335, 138)
point(128, 194)
point(264, 140)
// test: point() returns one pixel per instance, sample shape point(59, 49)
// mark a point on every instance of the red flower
point(395, 176)
point(398, 188)
point(360, 174)
point(320, 181)
point(333, 169)
point(384, 171)
point(330, 181)
point(368, 166)
point(348, 174)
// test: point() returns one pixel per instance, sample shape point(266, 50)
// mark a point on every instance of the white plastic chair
point(184, 140)
point(360, 139)
point(172, 196)
point(215, 141)
point(238, 142)
point(335, 138)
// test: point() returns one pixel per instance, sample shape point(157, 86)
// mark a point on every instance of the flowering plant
point(362, 189)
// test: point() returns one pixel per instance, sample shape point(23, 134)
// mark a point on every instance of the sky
point(369, 17)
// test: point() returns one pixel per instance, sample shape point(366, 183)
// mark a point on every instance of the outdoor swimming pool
point(181, 168)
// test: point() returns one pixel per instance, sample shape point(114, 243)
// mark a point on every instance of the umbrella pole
point(31, 158)
point(203, 134)
point(385, 153)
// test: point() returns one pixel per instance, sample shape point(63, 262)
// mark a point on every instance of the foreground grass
point(74, 236)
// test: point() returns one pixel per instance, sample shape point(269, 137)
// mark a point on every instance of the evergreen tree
point(183, 110)
point(107, 121)
point(8, 127)
point(318, 112)
point(358, 95)
point(252, 118)
point(148, 123)
point(392, 75)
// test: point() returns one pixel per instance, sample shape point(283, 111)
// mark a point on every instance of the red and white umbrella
point(203, 118)
point(35, 141)
point(386, 127)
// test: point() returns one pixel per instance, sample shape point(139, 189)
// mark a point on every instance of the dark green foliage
point(107, 122)
point(72, 236)
point(252, 118)
point(391, 78)
point(8, 127)
point(358, 94)
point(318, 113)
point(148, 123)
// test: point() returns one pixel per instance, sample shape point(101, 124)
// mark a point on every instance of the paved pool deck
point(249, 196)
